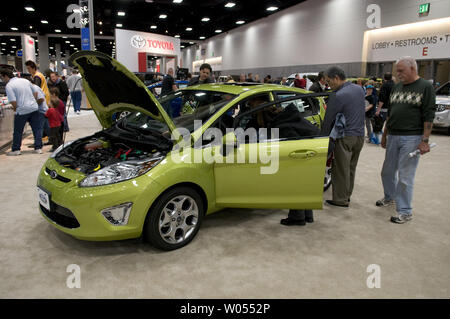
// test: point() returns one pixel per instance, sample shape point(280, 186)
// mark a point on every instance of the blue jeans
point(45, 128)
point(76, 100)
point(399, 170)
point(19, 123)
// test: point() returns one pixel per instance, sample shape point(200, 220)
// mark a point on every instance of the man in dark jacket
point(320, 85)
point(204, 77)
point(383, 99)
point(290, 123)
point(55, 81)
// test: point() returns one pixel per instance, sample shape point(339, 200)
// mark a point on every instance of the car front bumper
point(77, 211)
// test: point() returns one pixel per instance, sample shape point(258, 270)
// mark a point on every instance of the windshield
point(445, 90)
point(184, 107)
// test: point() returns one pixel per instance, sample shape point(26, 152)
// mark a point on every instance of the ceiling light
point(153, 27)
point(272, 9)
point(67, 41)
point(72, 45)
point(230, 5)
point(37, 40)
point(44, 21)
point(119, 25)
point(101, 32)
point(12, 39)
point(121, 13)
point(31, 27)
point(57, 30)
point(14, 29)
point(188, 29)
point(182, 46)
point(177, 1)
point(13, 47)
point(3, 43)
point(100, 23)
point(240, 22)
point(218, 31)
point(51, 48)
point(29, 9)
point(191, 42)
point(205, 19)
point(163, 16)
point(202, 38)
point(177, 36)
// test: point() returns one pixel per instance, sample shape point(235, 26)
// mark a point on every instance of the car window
point(306, 106)
point(278, 120)
point(445, 90)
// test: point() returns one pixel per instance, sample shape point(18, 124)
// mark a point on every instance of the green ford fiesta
point(159, 170)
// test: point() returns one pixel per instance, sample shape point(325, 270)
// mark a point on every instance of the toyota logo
point(53, 174)
point(138, 42)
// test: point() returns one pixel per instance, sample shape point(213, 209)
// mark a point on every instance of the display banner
point(422, 40)
point(130, 43)
point(29, 49)
point(85, 41)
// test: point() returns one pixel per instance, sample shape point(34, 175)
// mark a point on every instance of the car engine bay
point(90, 154)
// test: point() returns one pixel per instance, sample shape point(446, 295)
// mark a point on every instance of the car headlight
point(119, 172)
point(59, 149)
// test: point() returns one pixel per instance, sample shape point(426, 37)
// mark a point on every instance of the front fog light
point(118, 215)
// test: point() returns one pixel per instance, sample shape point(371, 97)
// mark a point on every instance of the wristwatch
point(425, 140)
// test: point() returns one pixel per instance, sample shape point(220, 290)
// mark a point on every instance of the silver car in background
point(442, 115)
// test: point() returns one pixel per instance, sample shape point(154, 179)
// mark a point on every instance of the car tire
point(174, 219)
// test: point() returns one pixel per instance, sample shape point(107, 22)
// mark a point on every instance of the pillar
point(44, 60)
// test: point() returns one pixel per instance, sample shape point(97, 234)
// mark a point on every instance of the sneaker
point(401, 218)
point(13, 153)
point(384, 202)
point(38, 151)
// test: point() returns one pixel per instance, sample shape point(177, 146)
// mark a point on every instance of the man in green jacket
point(408, 127)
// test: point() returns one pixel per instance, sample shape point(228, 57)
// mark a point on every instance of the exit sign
point(424, 9)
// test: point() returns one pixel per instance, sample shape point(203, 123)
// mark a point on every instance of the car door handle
point(302, 154)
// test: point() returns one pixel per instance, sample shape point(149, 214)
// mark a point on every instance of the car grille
point(60, 215)
point(58, 177)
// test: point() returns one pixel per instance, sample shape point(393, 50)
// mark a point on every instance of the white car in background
point(442, 115)
point(291, 78)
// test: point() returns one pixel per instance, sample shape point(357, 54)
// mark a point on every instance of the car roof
point(242, 87)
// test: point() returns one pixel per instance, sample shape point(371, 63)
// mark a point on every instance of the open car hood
point(110, 87)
